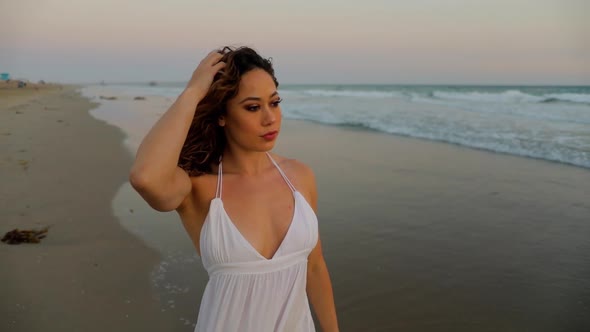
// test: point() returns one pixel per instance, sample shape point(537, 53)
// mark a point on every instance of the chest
point(261, 211)
point(262, 214)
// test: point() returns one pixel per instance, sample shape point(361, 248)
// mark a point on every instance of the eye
point(255, 107)
point(277, 102)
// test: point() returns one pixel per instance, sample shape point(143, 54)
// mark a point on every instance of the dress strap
point(219, 178)
point(282, 173)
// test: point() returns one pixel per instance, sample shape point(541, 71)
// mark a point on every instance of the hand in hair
point(203, 76)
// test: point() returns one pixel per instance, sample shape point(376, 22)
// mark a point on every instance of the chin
point(267, 147)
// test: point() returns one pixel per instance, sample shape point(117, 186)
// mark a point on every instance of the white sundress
point(246, 291)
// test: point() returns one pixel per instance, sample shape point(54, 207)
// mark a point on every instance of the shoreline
point(543, 131)
point(426, 222)
point(62, 167)
point(435, 141)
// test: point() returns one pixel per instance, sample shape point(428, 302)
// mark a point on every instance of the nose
point(269, 117)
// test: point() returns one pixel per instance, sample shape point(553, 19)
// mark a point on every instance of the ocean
point(419, 234)
point(544, 122)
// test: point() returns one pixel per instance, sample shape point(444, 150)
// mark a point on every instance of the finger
point(219, 66)
point(216, 52)
point(211, 55)
point(213, 52)
point(213, 58)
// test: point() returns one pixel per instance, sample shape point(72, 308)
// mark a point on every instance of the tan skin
point(249, 178)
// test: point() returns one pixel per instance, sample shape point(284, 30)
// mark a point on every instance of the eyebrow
point(258, 98)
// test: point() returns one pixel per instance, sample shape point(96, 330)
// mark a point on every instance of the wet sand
point(427, 236)
point(418, 235)
point(61, 168)
point(421, 236)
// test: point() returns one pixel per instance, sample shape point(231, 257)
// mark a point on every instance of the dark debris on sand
point(17, 236)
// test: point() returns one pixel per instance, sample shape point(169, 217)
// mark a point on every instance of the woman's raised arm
point(155, 174)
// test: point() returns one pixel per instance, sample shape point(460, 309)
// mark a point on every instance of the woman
point(251, 214)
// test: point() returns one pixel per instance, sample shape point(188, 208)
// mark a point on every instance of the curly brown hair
point(206, 140)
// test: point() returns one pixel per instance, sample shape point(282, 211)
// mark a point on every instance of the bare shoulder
point(300, 173)
point(294, 167)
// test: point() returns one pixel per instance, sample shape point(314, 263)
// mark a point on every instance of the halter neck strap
point(220, 176)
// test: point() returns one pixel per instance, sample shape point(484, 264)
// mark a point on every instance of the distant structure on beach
point(4, 76)
point(153, 83)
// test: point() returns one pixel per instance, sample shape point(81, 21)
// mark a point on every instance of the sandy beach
point(450, 143)
point(60, 168)
point(418, 235)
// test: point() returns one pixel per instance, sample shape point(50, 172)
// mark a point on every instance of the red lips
point(269, 136)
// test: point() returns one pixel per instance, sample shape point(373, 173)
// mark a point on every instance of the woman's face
point(253, 112)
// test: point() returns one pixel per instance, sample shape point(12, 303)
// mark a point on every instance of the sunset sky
point(418, 42)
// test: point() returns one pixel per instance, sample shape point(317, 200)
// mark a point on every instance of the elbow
point(161, 208)
point(137, 180)
point(145, 188)
point(140, 178)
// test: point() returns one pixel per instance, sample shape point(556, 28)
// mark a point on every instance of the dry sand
point(11, 95)
point(61, 167)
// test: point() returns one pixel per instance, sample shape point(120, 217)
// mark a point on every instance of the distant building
point(4, 76)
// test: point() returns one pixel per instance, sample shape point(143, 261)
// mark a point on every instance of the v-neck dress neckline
point(247, 291)
point(247, 243)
